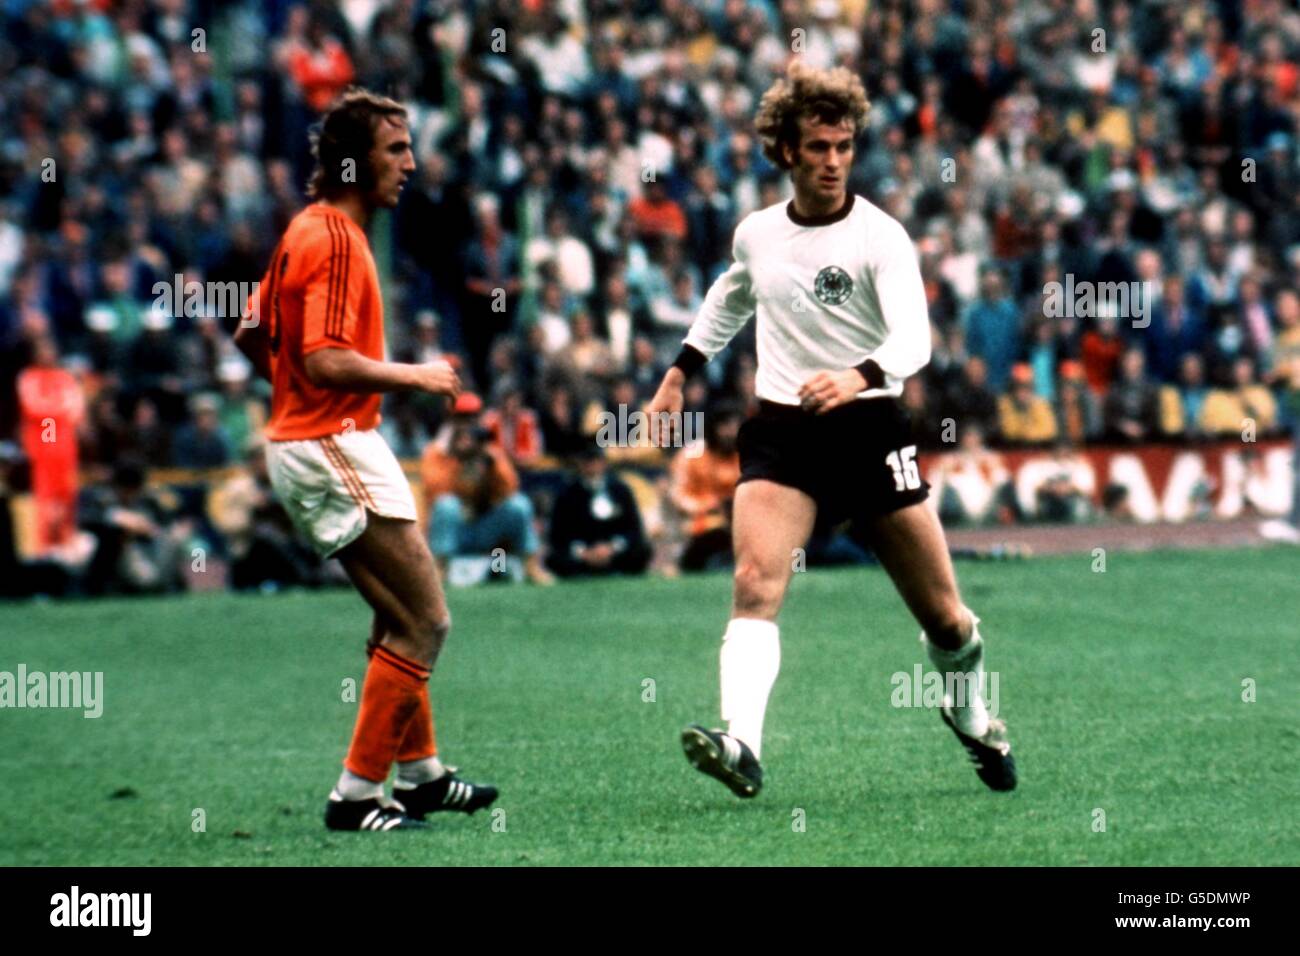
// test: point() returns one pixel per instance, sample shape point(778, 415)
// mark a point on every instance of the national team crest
point(833, 285)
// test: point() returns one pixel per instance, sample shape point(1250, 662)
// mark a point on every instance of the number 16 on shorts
point(903, 462)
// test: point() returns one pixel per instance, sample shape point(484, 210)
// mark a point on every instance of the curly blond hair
point(830, 96)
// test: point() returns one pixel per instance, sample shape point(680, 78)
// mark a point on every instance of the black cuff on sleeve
point(690, 360)
point(873, 373)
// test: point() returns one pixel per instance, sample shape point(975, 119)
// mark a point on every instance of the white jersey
point(829, 294)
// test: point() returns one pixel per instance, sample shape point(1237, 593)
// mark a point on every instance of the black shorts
point(857, 461)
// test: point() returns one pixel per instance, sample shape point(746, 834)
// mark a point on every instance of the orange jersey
point(321, 291)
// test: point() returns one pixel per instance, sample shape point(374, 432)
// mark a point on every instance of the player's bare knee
point(757, 591)
point(441, 628)
point(430, 630)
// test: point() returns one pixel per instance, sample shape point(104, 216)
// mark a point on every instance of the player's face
point(392, 160)
point(820, 169)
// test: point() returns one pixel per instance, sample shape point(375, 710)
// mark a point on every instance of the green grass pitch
point(1123, 692)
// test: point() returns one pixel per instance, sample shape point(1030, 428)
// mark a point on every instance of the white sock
point(972, 717)
point(352, 787)
point(415, 772)
point(751, 658)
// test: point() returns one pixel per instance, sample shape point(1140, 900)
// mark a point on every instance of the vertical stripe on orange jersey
point(347, 269)
point(333, 264)
point(334, 276)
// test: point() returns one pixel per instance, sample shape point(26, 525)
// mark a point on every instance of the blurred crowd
point(582, 166)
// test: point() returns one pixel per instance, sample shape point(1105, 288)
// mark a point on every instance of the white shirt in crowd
point(573, 262)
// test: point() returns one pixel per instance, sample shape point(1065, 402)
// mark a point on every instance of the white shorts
point(328, 484)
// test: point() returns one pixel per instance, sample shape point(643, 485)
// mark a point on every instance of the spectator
point(202, 443)
point(1256, 318)
point(149, 438)
point(596, 525)
point(1215, 283)
point(1132, 410)
point(1175, 330)
point(674, 312)
point(261, 545)
point(514, 427)
point(570, 256)
point(1246, 407)
point(619, 321)
point(20, 577)
point(1057, 488)
point(972, 401)
point(585, 357)
point(1078, 416)
point(638, 450)
point(153, 367)
point(139, 540)
point(703, 484)
point(472, 497)
point(440, 254)
point(1285, 374)
point(1041, 356)
point(656, 215)
point(562, 425)
point(711, 220)
point(52, 410)
point(558, 56)
point(1185, 417)
point(1101, 351)
point(492, 284)
point(973, 485)
point(992, 328)
point(553, 319)
point(319, 65)
point(1228, 343)
point(1025, 418)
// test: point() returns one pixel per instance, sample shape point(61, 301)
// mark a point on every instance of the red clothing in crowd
point(321, 74)
point(1100, 360)
point(51, 408)
point(519, 434)
point(658, 218)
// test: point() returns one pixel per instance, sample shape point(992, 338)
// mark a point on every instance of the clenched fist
point(827, 390)
point(668, 398)
point(438, 378)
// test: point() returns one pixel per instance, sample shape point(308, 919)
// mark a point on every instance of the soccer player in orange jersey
point(318, 336)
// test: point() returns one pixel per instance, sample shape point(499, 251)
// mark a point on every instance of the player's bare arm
point(349, 371)
point(250, 340)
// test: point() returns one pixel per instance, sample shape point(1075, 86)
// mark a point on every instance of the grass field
point(1122, 690)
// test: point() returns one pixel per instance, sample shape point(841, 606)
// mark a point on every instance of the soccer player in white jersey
point(842, 321)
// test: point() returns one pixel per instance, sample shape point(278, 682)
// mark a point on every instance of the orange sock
point(390, 698)
point(420, 741)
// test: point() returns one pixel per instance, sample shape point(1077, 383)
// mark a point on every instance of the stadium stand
point(582, 166)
